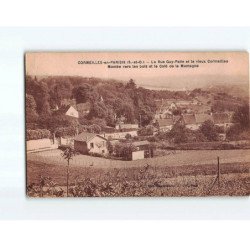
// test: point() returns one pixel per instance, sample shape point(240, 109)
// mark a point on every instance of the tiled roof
point(140, 143)
point(63, 109)
point(200, 118)
point(189, 119)
point(165, 122)
point(220, 118)
point(84, 136)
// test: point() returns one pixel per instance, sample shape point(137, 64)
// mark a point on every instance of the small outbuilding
point(89, 143)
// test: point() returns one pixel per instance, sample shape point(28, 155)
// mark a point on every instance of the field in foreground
point(49, 180)
point(172, 159)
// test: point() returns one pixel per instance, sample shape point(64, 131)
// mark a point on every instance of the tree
point(110, 147)
point(178, 133)
point(131, 84)
point(241, 116)
point(146, 131)
point(56, 121)
point(145, 116)
point(98, 110)
point(83, 93)
point(68, 154)
point(209, 130)
point(31, 114)
point(94, 128)
point(176, 111)
point(40, 91)
point(128, 136)
point(124, 150)
point(234, 132)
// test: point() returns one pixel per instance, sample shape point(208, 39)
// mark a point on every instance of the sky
point(235, 71)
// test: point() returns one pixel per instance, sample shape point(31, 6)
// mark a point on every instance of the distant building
point(141, 145)
point(119, 135)
point(222, 119)
point(68, 111)
point(165, 124)
point(87, 143)
point(124, 126)
point(189, 121)
point(194, 121)
point(201, 118)
point(143, 150)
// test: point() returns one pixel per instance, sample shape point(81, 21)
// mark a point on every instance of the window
point(92, 145)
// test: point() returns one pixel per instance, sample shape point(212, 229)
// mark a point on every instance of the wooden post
point(218, 173)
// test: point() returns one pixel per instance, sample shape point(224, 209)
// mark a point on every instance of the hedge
point(65, 131)
point(37, 134)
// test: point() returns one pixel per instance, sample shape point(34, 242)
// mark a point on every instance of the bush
point(124, 150)
point(147, 131)
point(95, 154)
point(37, 134)
point(65, 131)
point(209, 130)
point(152, 139)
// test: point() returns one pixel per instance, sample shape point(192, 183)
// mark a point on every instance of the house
point(182, 103)
point(173, 106)
point(165, 124)
point(222, 120)
point(190, 122)
point(201, 118)
point(123, 126)
point(163, 113)
point(119, 135)
point(89, 143)
point(143, 150)
point(67, 110)
point(141, 145)
point(194, 121)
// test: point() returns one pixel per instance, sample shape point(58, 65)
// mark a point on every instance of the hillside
point(111, 99)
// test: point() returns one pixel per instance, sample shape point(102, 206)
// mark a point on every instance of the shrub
point(148, 130)
point(37, 134)
point(65, 131)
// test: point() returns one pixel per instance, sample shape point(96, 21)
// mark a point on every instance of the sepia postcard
point(123, 124)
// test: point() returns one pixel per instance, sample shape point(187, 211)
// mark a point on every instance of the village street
point(175, 158)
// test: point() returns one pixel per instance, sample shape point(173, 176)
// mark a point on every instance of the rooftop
point(85, 137)
point(189, 119)
point(220, 118)
point(140, 143)
point(200, 118)
point(165, 122)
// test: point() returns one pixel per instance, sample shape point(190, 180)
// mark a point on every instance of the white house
point(121, 126)
point(119, 135)
point(68, 111)
point(87, 143)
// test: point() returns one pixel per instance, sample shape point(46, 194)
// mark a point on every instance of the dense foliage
point(37, 134)
point(111, 100)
